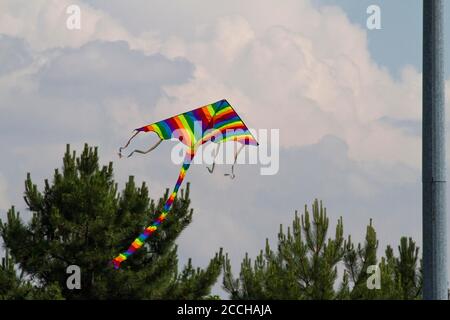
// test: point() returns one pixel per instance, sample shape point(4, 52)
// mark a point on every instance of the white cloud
point(102, 70)
point(4, 202)
point(306, 70)
point(308, 82)
point(43, 24)
point(13, 54)
point(83, 93)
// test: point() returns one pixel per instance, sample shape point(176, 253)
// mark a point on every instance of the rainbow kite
point(216, 122)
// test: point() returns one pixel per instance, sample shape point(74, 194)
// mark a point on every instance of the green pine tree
point(11, 285)
point(16, 287)
point(400, 277)
point(357, 260)
point(304, 266)
point(306, 263)
point(81, 219)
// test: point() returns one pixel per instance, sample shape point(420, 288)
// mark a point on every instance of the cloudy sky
point(346, 101)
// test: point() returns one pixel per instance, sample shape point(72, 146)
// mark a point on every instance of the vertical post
point(433, 155)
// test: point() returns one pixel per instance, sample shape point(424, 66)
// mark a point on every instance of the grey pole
point(433, 155)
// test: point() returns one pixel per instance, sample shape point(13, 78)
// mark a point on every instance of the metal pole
point(433, 155)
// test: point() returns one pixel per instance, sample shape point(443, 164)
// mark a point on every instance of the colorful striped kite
point(216, 122)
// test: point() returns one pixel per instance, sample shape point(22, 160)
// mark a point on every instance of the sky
point(345, 99)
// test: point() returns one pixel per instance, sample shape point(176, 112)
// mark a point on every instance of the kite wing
point(226, 125)
point(188, 127)
point(217, 122)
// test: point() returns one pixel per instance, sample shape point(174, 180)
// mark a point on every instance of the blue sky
point(399, 41)
point(346, 101)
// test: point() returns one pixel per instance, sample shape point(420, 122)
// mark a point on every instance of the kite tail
point(128, 142)
point(139, 241)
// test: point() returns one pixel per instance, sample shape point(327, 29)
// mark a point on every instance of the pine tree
point(357, 261)
point(11, 285)
point(400, 277)
point(81, 219)
point(306, 264)
point(16, 287)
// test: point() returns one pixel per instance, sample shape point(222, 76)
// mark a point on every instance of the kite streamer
point(216, 122)
point(139, 241)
